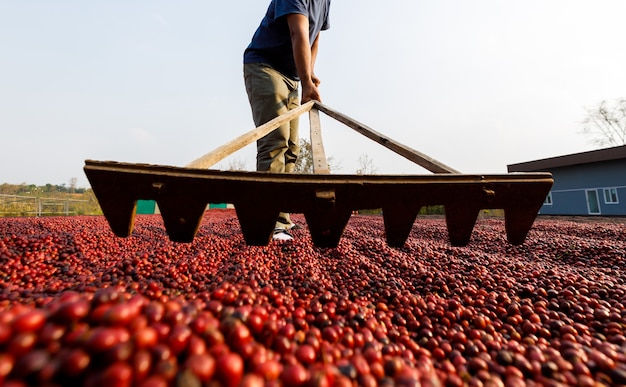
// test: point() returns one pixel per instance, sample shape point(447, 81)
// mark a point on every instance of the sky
point(476, 85)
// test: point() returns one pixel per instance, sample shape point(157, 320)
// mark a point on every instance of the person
point(281, 57)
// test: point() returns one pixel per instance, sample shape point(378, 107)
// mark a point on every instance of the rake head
point(327, 201)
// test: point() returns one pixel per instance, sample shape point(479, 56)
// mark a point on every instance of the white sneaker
point(280, 234)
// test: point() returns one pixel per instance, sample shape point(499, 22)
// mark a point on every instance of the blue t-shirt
point(271, 43)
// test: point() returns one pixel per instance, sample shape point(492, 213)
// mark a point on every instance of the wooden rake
point(326, 200)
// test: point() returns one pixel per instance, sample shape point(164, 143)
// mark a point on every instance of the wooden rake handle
point(419, 158)
point(218, 154)
point(320, 164)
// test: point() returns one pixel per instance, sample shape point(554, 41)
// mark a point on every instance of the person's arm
point(303, 55)
point(315, 79)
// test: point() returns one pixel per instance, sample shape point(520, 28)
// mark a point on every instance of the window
point(610, 196)
point(548, 201)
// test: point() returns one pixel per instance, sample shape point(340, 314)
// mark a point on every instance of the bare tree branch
point(366, 165)
point(236, 165)
point(606, 125)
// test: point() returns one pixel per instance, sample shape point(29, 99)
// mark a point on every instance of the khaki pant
point(271, 94)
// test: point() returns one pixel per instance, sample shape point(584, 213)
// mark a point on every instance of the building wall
point(573, 185)
point(145, 207)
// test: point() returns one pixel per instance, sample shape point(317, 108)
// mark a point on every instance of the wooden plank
point(320, 163)
point(218, 154)
point(417, 157)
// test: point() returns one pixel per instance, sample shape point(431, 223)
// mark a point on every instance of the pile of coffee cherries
point(80, 306)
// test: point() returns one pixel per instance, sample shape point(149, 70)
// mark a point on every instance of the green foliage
point(432, 210)
point(304, 162)
point(37, 191)
point(90, 206)
point(375, 211)
point(429, 210)
point(46, 200)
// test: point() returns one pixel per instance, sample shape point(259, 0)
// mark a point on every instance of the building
point(588, 183)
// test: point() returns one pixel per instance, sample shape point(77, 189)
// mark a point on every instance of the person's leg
point(291, 155)
point(271, 95)
point(293, 142)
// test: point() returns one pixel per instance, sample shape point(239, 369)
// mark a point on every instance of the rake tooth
point(118, 208)
point(257, 221)
point(326, 225)
point(517, 222)
point(520, 214)
point(121, 217)
point(399, 219)
point(460, 221)
point(181, 217)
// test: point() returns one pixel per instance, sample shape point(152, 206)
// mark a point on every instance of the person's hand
point(316, 80)
point(310, 91)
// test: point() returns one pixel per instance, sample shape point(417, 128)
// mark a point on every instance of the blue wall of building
point(569, 194)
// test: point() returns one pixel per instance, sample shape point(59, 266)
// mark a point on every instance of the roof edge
point(594, 156)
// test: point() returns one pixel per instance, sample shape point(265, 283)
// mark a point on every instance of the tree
point(606, 125)
point(304, 163)
point(366, 165)
point(236, 165)
point(73, 182)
